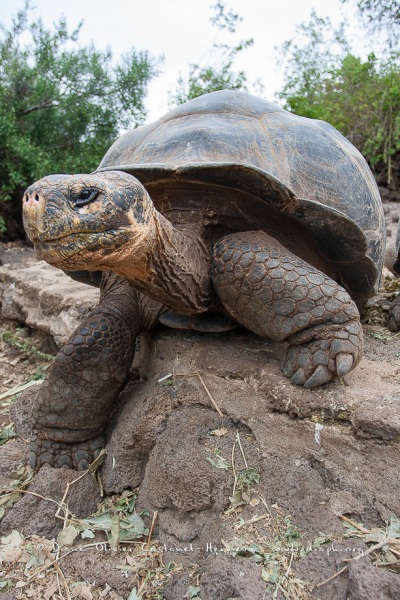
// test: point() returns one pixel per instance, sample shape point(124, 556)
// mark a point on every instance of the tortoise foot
point(78, 455)
point(318, 355)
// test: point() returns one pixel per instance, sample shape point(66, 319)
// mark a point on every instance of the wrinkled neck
point(175, 269)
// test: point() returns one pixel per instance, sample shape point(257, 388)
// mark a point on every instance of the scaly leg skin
point(75, 401)
point(274, 293)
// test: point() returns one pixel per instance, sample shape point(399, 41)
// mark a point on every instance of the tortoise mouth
point(77, 239)
point(72, 235)
point(76, 249)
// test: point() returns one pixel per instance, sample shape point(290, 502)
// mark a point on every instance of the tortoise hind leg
point(87, 375)
point(276, 294)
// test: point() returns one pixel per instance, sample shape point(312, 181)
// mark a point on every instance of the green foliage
point(361, 98)
point(385, 11)
point(309, 64)
point(218, 73)
point(61, 104)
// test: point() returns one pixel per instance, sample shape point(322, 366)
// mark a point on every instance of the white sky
point(181, 31)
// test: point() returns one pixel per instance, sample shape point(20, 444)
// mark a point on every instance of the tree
point(218, 73)
point(361, 98)
point(381, 15)
point(61, 104)
point(309, 62)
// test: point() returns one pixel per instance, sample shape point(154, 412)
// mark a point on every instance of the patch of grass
point(273, 542)
point(385, 335)
point(8, 337)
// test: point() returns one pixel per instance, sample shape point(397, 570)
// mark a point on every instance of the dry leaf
point(84, 592)
point(11, 548)
point(50, 591)
point(219, 432)
point(67, 536)
point(254, 502)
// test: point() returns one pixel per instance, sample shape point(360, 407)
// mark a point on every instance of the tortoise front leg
point(276, 294)
point(87, 375)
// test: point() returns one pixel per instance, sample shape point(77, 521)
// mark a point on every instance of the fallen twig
point(20, 388)
point(372, 549)
point(354, 524)
point(252, 520)
point(215, 405)
point(241, 449)
point(155, 515)
point(233, 468)
point(60, 573)
point(197, 374)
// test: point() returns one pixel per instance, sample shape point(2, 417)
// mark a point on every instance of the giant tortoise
point(227, 211)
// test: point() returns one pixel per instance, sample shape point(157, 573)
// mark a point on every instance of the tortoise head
point(88, 221)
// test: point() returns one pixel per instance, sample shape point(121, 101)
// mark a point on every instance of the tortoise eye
point(85, 197)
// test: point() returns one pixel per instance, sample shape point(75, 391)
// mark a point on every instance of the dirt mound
point(245, 486)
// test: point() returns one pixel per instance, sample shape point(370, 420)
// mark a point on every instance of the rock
point(35, 514)
point(344, 503)
point(13, 454)
point(98, 567)
point(41, 296)
point(389, 196)
point(378, 417)
point(392, 212)
point(320, 565)
point(319, 454)
point(226, 577)
point(161, 437)
point(178, 587)
point(21, 412)
point(366, 582)
point(180, 451)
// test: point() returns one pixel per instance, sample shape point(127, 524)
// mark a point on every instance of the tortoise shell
point(302, 168)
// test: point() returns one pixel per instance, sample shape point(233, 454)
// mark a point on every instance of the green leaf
point(102, 521)
point(87, 533)
point(218, 463)
point(132, 527)
point(192, 592)
point(394, 527)
point(6, 434)
point(168, 568)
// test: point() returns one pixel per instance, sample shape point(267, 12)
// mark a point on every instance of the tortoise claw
point(344, 364)
point(329, 352)
point(320, 376)
point(300, 377)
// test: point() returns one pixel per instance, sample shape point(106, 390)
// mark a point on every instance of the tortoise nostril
point(37, 197)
